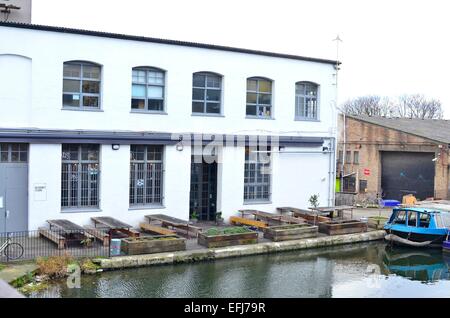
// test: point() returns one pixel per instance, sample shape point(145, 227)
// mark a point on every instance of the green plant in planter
point(87, 242)
point(194, 216)
point(314, 200)
point(219, 218)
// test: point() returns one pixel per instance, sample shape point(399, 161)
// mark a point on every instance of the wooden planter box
point(342, 227)
point(290, 232)
point(227, 239)
point(377, 222)
point(155, 244)
point(311, 217)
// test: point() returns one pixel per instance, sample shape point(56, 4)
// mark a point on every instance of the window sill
point(257, 202)
point(306, 119)
point(81, 210)
point(146, 207)
point(148, 112)
point(256, 117)
point(77, 109)
point(207, 115)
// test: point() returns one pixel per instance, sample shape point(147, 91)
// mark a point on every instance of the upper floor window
point(306, 106)
point(81, 85)
point(206, 93)
point(259, 97)
point(148, 89)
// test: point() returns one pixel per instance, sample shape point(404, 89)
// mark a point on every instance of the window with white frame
point(257, 174)
point(148, 89)
point(306, 105)
point(146, 175)
point(81, 85)
point(259, 97)
point(80, 176)
point(206, 93)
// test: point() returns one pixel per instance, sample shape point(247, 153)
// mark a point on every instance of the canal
point(358, 270)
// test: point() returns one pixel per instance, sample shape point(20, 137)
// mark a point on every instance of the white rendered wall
point(49, 50)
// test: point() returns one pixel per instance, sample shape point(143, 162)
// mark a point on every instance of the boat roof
point(423, 209)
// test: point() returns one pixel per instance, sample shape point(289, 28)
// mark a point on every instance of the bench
point(154, 229)
point(53, 236)
point(244, 221)
point(98, 234)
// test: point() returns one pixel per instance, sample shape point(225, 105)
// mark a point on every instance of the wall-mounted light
point(179, 145)
point(115, 147)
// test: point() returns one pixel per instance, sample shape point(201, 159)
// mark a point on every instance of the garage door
point(407, 172)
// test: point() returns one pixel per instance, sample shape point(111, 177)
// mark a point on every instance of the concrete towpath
point(13, 271)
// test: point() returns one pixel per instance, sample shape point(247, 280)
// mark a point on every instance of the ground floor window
point(80, 176)
point(257, 174)
point(146, 175)
point(13, 152)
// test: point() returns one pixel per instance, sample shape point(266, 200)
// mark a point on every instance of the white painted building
point(74, 104)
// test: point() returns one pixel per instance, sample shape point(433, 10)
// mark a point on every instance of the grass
point(228, 230)
point(2, 267)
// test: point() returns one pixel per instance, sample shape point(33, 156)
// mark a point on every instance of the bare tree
point(418, 106)
point(371, 105)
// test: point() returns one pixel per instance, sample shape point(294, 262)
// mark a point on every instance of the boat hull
point(410, 238)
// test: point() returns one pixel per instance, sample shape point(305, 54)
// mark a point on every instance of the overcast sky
point(389, 47)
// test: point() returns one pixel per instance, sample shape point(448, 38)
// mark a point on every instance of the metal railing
point(29, 245)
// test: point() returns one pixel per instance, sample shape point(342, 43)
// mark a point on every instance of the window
point(13, 153)
point(206, 93)
point(148, 89)
point(80, 176)
point(362, 186)
point(400, 217)
point(412, 218)
point(349, 184)
point(146, 175)
point(356, 157)
point(340, 156)
point(306, 100)
point(81, 85)
point(424, 220)
point(259, 97)
point(348, 157)
point(256, 175)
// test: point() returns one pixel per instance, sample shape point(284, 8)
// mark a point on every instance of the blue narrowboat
point(418, 226)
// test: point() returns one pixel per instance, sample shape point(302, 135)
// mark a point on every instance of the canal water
point(358, 270)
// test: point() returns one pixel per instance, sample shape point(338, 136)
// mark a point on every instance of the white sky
point(389, 47)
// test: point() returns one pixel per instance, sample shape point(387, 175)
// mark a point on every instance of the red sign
point(367, 172)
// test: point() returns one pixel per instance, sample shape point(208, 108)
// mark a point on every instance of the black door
point(203, 195)
point(407, 173)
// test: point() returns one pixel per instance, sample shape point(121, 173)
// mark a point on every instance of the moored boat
point(418, 226)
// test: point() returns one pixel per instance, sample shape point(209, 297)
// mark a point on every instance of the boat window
point(412, 218)
point(400, 217)
point(424, 220)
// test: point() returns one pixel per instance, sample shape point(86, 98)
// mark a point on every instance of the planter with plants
point(290, 232)
point(342, 227)
point(152, 244)
point(194, 217)
point(215, 237)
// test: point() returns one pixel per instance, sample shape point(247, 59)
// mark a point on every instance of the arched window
point(206, 93)
point(81, 85)
point(259, 97)
point(148, 89)
point(306, 105)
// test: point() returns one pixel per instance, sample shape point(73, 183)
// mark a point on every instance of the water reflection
point(424, 265)
point(360, 270)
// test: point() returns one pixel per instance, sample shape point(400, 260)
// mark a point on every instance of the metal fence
point(29, 245)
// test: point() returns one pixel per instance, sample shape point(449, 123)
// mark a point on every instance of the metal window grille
point(206, 93)
point(306, 106)
point(259, 97)
point(81, 85)
point(148, 89)
point(257, 176)
point(80, 176)
point(146, 175)
point(13, 153)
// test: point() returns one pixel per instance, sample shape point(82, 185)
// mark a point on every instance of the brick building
point(392, 157)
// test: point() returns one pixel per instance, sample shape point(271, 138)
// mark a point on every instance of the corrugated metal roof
point(162, 41)
point(434, 129)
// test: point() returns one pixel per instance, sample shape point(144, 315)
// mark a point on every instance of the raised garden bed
point(227, 237)
point(377, 222)
point(290, 232)
point(152, 244)
point(342, 227)
point(311, 218)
